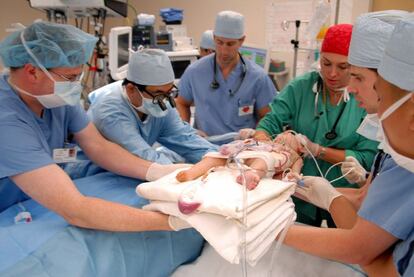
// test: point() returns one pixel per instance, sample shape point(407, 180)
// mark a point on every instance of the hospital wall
point(198, 15)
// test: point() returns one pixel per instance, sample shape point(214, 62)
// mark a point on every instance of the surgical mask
point(64, 92)
point(369, 127)
point(401, 160)
point(154, 109)
point(147, 107)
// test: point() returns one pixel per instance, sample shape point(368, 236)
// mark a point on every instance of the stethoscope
point(317, 87)
point(215, 84)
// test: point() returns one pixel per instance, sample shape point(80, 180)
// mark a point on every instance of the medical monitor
point(180, 60)
point(120, 40)
point(259, 55)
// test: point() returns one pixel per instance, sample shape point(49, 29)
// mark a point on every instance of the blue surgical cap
point(207, 40)
point(150, 67)
point(54, 45)
point(229, 24)
point(397, 65)
point(370, 34)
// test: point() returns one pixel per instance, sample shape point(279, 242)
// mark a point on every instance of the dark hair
point(373, 69)
point(139, 86)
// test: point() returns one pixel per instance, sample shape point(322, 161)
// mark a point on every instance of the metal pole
point(295, 43)
point(338, 4)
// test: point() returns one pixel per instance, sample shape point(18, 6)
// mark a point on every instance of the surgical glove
point(308, 146)
point(356, 173)
point(317, 191)
point(156, 170)
point(246, 133)
point(177, 223)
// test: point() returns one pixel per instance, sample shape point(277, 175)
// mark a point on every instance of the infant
point(260, 159)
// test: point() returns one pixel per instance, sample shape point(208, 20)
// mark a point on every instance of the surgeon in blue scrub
point(229, 92)
point(40, 112)
point(381, 237)
point(370, 34)
point(140, 110)
point(207, 45)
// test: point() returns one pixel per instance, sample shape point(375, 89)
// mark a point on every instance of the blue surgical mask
point(64, 92)
point(399, 159)
point(154, 109)
point(147, 107)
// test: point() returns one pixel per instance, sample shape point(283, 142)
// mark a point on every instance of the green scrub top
point(295, 107)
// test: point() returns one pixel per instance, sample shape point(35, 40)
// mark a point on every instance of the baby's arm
point(200, 168)
point(255, 174)
point(297, 165)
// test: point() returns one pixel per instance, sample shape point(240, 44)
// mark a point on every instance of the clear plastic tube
point(243, 230)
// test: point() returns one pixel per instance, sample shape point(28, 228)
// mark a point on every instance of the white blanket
point(225, 234)
point(221, 194)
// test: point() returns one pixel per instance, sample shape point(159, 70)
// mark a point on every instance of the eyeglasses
point(72, 78)
point(158, 97)
point(161, 95)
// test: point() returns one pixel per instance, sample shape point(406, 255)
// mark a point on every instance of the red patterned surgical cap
point(337, 39)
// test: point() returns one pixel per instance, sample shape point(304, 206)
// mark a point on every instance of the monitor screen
point(119, 43)
point(180, 60)
point(179, 67)
point(123, 52)
point(257, 55)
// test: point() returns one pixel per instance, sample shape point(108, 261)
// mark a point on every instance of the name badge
point(64, 155)
point(245, 110)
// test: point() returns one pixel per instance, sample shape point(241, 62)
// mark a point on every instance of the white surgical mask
point(401, 160)
point(64, 92)
point(369, 127)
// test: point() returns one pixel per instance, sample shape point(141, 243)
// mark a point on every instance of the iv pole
point(295, 42)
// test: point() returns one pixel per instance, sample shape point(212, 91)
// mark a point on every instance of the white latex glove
point(156, 170)
point(357, 174)
point(177, 223)
point(314, 148)
point(246, 133)
point(317, 191)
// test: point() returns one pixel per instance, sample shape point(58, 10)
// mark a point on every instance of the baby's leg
point(200, 168)
point(255, 174)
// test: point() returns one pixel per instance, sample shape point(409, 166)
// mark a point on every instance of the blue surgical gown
point(119, 122)
point(389, 204)
point(27, 141)
point(217, 111)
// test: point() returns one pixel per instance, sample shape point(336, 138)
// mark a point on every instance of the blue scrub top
point(217, 111)
point(27, 141)
point(119, 122)
point(390, 205)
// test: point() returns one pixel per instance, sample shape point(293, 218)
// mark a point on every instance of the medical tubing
point(279, 242)
point(310, 153)
point(243, 228)
point(317, 165)
point(340, 177)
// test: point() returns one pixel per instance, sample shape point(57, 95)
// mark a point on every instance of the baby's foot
point(186, 175)
point(252, 179)
point(189, 199)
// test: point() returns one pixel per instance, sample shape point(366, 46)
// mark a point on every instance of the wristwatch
point(322, 153)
